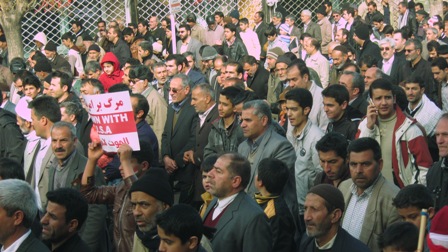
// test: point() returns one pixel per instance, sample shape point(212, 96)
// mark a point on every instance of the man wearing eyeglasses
point(390, 64)
point(179, 136)
point(417, 66)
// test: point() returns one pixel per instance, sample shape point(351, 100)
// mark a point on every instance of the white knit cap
point(22, 109)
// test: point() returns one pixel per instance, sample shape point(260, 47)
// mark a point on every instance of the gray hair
point(261, 108)
point(278, 15)
point(17, 195)
point(357, 80)
point(206, 89)
point(291, 17)
point(92, 66)
point(389, 41)
point(158, 65)
point(62, 124)
point(434, 30)
point(417, 44)
point(184, 78)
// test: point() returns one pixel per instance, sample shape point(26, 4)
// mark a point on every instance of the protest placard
point(113, 119)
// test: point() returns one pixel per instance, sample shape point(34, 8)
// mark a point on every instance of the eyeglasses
point(280, 69)
point(409, 50)
point(135, 81)
point(384, 48)
point(175, 90)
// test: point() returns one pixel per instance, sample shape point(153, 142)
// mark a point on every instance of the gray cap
point(209, 53)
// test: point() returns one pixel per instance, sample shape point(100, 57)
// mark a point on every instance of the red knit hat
point(438, 235)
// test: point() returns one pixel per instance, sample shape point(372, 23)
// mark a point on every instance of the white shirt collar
point(15, 246)
point(204, 115)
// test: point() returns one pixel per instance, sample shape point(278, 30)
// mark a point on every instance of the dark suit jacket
point(202, 134)
point(314, 30)
point(360, 104)
point(83, 128)
point(93, 230)
point(411, 22)
point(32, 244)
point(369, 48)
point(259, 82)
point(394, 72)
point(242, 227)
point(202, 141)
point(180, 138)
point(196, 78)
point(261, 37)
point(61, 64)
point(343, 242)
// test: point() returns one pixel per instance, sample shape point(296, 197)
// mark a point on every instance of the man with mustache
point(324, 206)
point(368, 195)
point(66, 172)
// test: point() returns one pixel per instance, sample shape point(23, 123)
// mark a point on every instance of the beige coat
point(380, 211)
point(325, 30)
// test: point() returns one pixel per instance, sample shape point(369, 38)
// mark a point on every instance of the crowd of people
point(254, 136)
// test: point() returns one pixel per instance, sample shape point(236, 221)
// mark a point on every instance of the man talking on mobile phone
point(404, 149)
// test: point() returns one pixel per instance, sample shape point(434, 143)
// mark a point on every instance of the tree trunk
point(436, 7)
point(11, 27)
point(11, 13)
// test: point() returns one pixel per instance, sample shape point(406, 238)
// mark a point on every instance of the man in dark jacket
point(366, 47)
point(119, 47)
point(57, 61)
point(437, 177)
point(11, 139)
point(336, 99)
point(65, 214)
point(324, 206)
point(417, 66)
point(233, 47)
point(257, 76)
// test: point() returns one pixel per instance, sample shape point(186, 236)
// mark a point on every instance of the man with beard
point(417, 66)
point(101, 37)
point(23, 115)
point(340, 58)
point(324, 206)
point(160, 80)
point(188, 43)
point(150, 195)
point(277, 81)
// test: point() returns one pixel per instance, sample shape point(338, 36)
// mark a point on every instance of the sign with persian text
point(113, 119)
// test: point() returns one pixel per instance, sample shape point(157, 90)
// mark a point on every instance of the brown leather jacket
point(124, 223)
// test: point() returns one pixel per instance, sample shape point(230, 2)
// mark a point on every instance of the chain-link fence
point(53, 17)
point(201, 8)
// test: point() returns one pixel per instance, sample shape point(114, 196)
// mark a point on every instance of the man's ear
point(194, 242)
point(73, 225)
